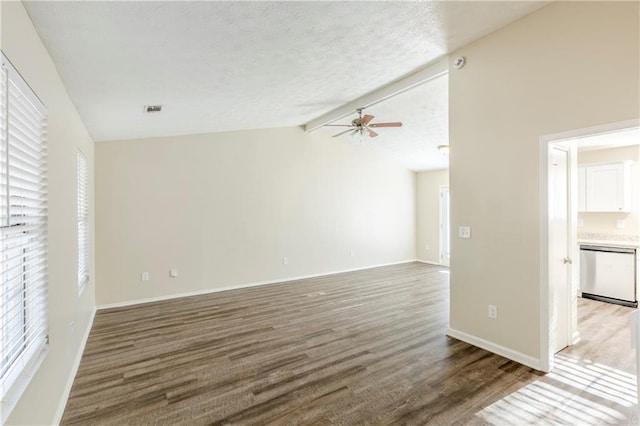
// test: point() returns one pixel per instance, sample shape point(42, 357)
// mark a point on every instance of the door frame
point(546, 304)
point(441, 224)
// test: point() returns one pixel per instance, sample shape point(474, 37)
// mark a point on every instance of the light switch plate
point(464, 232)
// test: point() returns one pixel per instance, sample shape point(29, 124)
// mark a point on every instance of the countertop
point(610, 243)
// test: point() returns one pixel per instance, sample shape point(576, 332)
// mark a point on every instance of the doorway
point(560, 269)
point(445, 227)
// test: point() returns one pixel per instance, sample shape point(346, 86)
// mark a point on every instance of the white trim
point(74, 370)
point(516, 356)
point(429, 262)
point(239, 286)
point(575, 337)
point(443, 261)
point(434, 70)
point(546, 357)
point(20, 384)
point(22, 85)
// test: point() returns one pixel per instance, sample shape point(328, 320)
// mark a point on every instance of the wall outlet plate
point(464, 232)
point(493, 312)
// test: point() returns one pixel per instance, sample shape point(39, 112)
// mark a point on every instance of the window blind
point(23, 232)
point(83, 223)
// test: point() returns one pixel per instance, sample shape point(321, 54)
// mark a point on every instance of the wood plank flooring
point(366, 347)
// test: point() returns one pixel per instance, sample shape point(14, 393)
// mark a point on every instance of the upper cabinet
point(605, 187)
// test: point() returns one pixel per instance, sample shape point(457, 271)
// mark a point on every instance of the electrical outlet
point(620, 224)
point(351, 253)
point(426, 247)
point(144, 276)
point(173, 272)
point(464, 232)
point(493, 312)
point(285, 260)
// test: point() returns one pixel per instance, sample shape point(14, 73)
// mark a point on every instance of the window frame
point(83, 221)
point(23, 235)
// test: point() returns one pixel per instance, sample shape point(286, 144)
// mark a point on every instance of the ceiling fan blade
point(342, 133)
point(366, 119)
point(393, 124)
point(337, 125)
point(372, 133)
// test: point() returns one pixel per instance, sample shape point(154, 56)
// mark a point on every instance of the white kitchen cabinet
point(582, 189)
point(605, 187)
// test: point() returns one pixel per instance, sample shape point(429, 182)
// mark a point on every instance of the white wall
point(606, 223)
point(428, 214)
point(224, 209)
point(66, 134)
point(570, 65)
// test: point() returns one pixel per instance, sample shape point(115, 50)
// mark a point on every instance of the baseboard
point(74, 370)
point(429, 263)
point(575, 337)
point(240, 286)
point(516, 356)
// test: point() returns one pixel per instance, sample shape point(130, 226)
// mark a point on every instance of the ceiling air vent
point(152, 108)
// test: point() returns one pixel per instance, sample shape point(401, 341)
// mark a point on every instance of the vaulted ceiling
point(225, 66)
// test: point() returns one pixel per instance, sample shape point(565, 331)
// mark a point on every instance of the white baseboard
point(516, 356)
point(429, 263)
point(575, 337)
point(239, 286)
point(74, 369)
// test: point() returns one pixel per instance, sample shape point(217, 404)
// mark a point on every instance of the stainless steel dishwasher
point(608, 274)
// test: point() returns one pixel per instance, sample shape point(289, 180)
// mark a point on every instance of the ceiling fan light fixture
point(444, 149)
point(362, 127)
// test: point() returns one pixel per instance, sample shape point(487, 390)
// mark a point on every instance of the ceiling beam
point(419, 77)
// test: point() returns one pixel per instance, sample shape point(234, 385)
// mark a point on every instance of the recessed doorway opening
point(572, 214)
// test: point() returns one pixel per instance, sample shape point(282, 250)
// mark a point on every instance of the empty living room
point(328, 212)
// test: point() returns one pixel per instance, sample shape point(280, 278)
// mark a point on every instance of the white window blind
point(23, 234)
point(83, 223)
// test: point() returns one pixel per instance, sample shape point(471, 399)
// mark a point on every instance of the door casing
point(445, 226)
point(546, 302)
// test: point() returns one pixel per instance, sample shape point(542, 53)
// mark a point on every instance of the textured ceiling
point(222, 66)
point(423, 112)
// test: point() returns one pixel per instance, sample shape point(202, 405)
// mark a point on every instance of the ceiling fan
point(362, 126)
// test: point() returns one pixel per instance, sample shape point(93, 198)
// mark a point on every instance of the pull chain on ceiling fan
point(361, 126)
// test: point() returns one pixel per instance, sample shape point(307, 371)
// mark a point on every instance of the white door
point(559, 250)
point(445, 228)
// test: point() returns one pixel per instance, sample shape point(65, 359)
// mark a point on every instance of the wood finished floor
point(366, 347)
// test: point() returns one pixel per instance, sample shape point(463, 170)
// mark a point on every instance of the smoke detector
point(152, 108)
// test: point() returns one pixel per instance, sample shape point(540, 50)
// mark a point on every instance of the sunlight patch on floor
point(575, 392)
